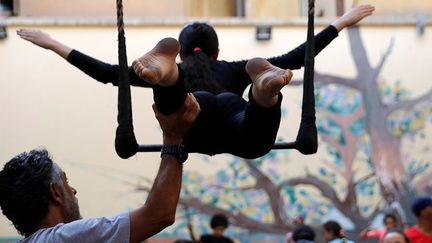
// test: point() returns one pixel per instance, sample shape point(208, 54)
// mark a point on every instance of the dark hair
point(303, 232)
point(421, 203)
point(333, 227)
point(199, 42)
point(389, 215)
point(407, 239)
point(199, 35)
point(24, 189)
point(219, 220)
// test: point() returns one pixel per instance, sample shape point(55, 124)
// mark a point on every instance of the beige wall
point(132, 8)
point(272, 8)
point(101, 8)
point(45, 102)
point(396, 6)
point(210, 8)
point(207, 8)
point(325, 7)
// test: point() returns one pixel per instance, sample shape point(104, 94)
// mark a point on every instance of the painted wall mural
point(363, 124)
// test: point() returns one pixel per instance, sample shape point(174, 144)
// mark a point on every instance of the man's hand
point(353, 16)
point(175, 126)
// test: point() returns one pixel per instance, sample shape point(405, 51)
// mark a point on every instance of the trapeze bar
point(158, 147)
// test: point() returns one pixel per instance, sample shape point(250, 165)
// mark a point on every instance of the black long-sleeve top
point(232, 76)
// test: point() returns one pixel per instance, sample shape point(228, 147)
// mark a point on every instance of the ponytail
point(198, 73)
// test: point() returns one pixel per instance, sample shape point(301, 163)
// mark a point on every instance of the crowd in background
point(393, 231)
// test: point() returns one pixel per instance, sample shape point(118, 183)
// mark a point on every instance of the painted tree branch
point(325, 189)
point(237, 189)
point(331, 166)
point(385, 147)
point(273, 193)
point(332, 142)
point(348, 206)
point(351, 201)
point(347, 149)
point(375, 212)
point(417, 171)
point(409, 104)
point(359, 51)
point(424, 182)
point(142, 189)
point(237, 218)
point(384, 57)
point(364, 178)
point(326, 79)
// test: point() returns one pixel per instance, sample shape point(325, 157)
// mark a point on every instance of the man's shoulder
point(84, 229)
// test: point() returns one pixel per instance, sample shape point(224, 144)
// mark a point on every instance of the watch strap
point(179, 151)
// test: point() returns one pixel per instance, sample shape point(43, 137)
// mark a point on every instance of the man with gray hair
point(36, 196)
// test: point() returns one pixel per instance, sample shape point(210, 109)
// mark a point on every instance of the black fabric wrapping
point(125, 141)
point(307, 141)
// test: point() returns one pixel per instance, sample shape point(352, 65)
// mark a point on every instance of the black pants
point(226, 124)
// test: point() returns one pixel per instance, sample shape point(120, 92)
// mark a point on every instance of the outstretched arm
point(45, 41)
point(158, 212)
point(101, 71)
point(295, 58)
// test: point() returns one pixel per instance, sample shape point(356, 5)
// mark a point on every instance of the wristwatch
point(179, 151)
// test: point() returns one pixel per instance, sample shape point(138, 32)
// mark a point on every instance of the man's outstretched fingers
point(176, 125)
point(192, 108)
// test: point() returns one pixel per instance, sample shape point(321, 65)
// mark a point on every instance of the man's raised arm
point(158, 212)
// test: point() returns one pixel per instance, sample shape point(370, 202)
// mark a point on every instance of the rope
point(307, 141)
point(125, 141)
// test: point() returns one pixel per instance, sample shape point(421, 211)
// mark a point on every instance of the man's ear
point(56, 193)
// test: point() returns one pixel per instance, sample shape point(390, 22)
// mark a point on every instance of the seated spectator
point(303, 234)
point(218, 223)
point(297, 221)
point(333, 233)
point(389, 221)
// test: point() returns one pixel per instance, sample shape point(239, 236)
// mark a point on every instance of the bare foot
point(158, 66)
point(267, 80)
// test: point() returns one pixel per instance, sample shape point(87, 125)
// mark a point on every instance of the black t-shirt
point(215, 239)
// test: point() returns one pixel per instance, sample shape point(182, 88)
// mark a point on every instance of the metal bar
point(158, 147)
